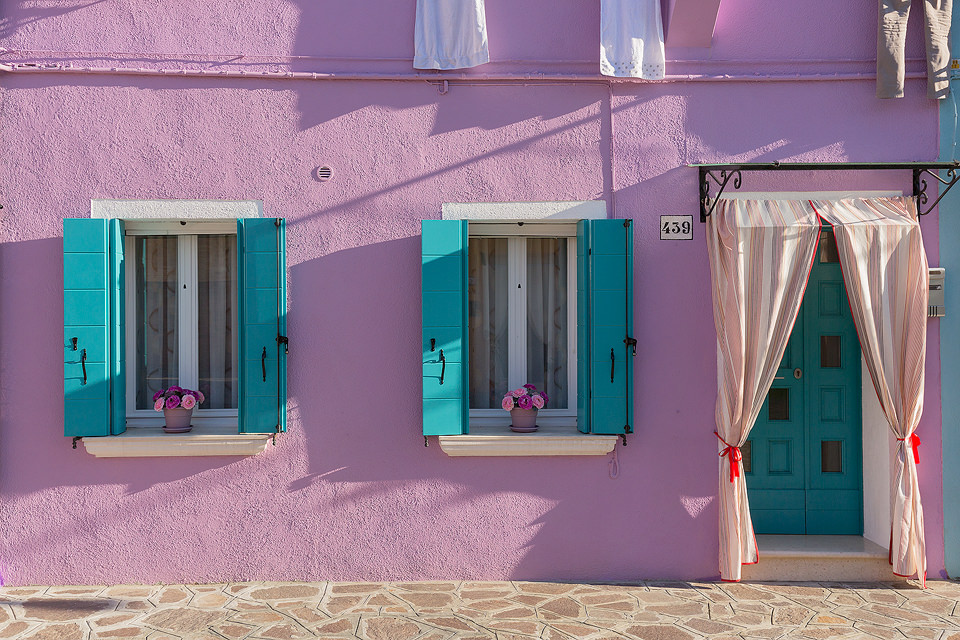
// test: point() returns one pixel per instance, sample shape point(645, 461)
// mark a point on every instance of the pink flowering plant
point(526, 397)
point(173, 397)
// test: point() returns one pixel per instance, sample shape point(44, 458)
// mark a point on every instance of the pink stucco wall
point(350, 492)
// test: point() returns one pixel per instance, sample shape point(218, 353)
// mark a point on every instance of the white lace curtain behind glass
point(488, 321)
point(217, 303)
point(158, 346)
point(547, 318)
point(546, 321)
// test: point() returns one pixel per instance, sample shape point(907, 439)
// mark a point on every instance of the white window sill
point(547, 441)
point(153, 443)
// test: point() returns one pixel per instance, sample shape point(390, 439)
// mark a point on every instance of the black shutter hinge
point(626, 223)
point(631, 343)
point(286, 343)
point(623, 437)
point(426, 442)
point(75, 438)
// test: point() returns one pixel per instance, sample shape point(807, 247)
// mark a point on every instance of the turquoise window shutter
point(118, 327)
point(262, 300)
point(605, 326)
point(583, 326)
point(444, 345)
point(93, 389)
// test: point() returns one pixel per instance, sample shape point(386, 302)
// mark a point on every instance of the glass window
point(182, 320)
point(778, 404)
point(157, 317)
point(830, 351)
point(522, 322)
point(746, 451)
point(831, 456)
point(828, 246)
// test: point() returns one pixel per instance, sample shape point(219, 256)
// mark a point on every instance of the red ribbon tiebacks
point(735, 456)
point(913, 440)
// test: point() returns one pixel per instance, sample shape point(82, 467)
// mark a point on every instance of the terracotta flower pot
point(523, 420)
point(177, 420)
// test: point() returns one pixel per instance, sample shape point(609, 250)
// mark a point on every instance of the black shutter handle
point(443, 366)
point(613, 363)
point(83, 365)
point(263, 363)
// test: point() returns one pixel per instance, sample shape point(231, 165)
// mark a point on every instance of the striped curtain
point(761, 253)
point(885, 271)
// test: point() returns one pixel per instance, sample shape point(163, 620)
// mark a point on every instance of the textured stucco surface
point(350, 492)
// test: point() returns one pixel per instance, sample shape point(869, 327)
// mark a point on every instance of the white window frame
point(516, 233)
point(187, 232)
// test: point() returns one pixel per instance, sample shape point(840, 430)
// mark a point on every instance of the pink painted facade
point(350, 492)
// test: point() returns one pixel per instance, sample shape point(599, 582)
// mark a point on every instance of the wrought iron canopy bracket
point(722, 174)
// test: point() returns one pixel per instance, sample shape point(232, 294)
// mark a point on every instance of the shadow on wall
point(24, 13)
point(31, 404)
point(484, 110)
point(356, 367)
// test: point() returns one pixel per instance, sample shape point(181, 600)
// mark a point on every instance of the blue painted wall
point(950, 324)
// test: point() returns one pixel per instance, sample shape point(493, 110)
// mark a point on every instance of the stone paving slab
point(452, 610)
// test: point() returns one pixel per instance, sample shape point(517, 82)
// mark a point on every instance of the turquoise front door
point(803, 460)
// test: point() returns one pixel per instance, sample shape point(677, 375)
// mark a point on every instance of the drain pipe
point(60, 68)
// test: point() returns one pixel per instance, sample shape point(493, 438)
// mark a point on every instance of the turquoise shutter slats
point(605, 360)
point(583, 327)
point(93, 400)
point(444, 300)
point(262, 298)
point(118, 325)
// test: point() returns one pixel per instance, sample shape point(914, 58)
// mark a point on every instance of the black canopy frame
point(724, 174)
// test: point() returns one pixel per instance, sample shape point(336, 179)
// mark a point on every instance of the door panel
point(834, 442)
point(775, 478)
point(815, 452)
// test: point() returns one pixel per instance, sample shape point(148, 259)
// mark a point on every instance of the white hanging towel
point(631, 39)
point(450, 34)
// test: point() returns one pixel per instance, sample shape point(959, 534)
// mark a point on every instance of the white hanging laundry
point(631, 39)
point(450, 34)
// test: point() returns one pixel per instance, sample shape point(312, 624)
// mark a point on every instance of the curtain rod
point(732, 170)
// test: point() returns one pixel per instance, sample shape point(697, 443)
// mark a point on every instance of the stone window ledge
point(153, 442)
point(547, 441)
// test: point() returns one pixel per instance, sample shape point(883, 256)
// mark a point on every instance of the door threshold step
point(819, 558)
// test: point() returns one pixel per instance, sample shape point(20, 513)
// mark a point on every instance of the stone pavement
point(480, 610)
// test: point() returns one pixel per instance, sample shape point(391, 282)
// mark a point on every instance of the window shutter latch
point(286, 343)
point(631, 343)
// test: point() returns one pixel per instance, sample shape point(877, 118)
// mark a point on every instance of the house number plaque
point(676, 227)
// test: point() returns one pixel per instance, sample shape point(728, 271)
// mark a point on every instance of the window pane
point(830, 351)
point(746, 452)
point(778, 404)
point(831, 456)
point(547, 318)
point(216, 320)
point(487, 291)
point(828, 246)
point(157, 365)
